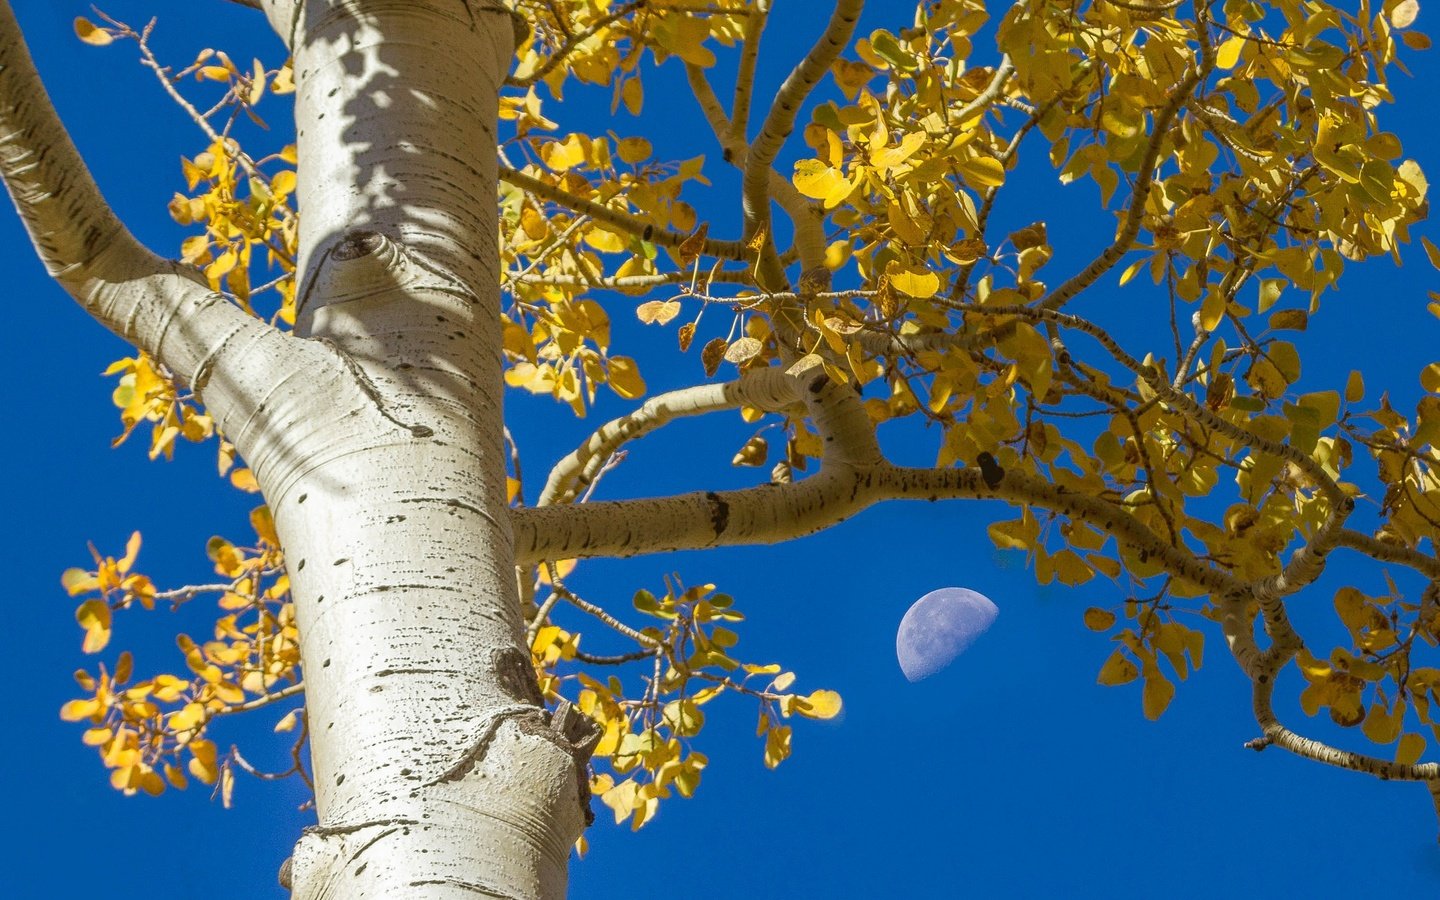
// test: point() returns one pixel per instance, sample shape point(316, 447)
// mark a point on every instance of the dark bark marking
point(516, 675)
point(719, 512)
point(990, 471)
point(482, 890)
point(358, 243)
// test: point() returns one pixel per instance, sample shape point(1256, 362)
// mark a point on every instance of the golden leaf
point(91, 33)
point(625, 377)
point(1409, 750)
point(913, 280)
point(743, 350)
point(1157, 694)
point(1118, 669)
point(753, 453)
point(1403, 14)
point(983, 172)
point(657, 312)
point(1228, 53)
point(690, 248)
point(820, 705)
point(711, 355)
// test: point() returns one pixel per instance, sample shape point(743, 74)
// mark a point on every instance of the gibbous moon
point(939, 627)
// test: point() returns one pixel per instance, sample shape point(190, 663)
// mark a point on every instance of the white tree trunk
point(437, 774)
point(376, 434)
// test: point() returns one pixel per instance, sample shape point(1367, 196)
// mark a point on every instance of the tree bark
point(437, 772)
point(376, 434)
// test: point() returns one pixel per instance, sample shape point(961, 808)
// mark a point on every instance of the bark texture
point(438, 774)
point(376, 434)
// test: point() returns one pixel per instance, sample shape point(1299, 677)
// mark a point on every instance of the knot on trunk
point(575, 733)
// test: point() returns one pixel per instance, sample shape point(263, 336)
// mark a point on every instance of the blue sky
point(1011, 774)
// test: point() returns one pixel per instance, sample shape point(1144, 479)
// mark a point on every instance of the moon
point(939, 627)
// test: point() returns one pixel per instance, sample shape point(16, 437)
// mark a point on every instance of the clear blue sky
point(1011, 774)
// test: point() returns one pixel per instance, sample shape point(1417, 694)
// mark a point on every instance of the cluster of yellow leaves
point(241, 208)
point(241, 214)
point(153, 731)
point(602, 42)
point(1378, 664)
point(645, 740)
point(118, 587)
point(146, 392)
point(555, 342)
point(1154, 635)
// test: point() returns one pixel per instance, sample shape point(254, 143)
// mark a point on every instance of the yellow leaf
point(1331, 152)
point(264, 525)
point(1157, 695)
point(625, 377)
point(821, 705)
point(191, 715)
point(1097, 619)
point(913, 280)
point(1118, 669)
point(633, 150)
point(176, 777)
point(563, 568)
point(282, 184)
point(1381, 725)
point(257, 84)
point(754, 453)
point(1212, 309)
point(1431, 251)
point(76, 710)
point(887, 158)
point(983, 172)
point(777, 745)
point(1228, 53)
point(657, 312)
point(1430, 378)
point(94, 617)
point(1411, 746)
point(821, 182)
point(91, 33)
point(1403, 16)
point(743, 350)
point(690, 35)
point(606, 241)
point(288, 722)
point(804, 364)
point(1354, 387)
point(244, 480)
point(561, 156)
point(78, 581)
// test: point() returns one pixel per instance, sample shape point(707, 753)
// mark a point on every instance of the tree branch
point(733, 250)
point(806, 217)
point(1145, 179)
point(574, 41)
point(1277, 734)
point(771, 513)
point(162, 307)
point(768, 389)
point(780, 121)
point(745, 75)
